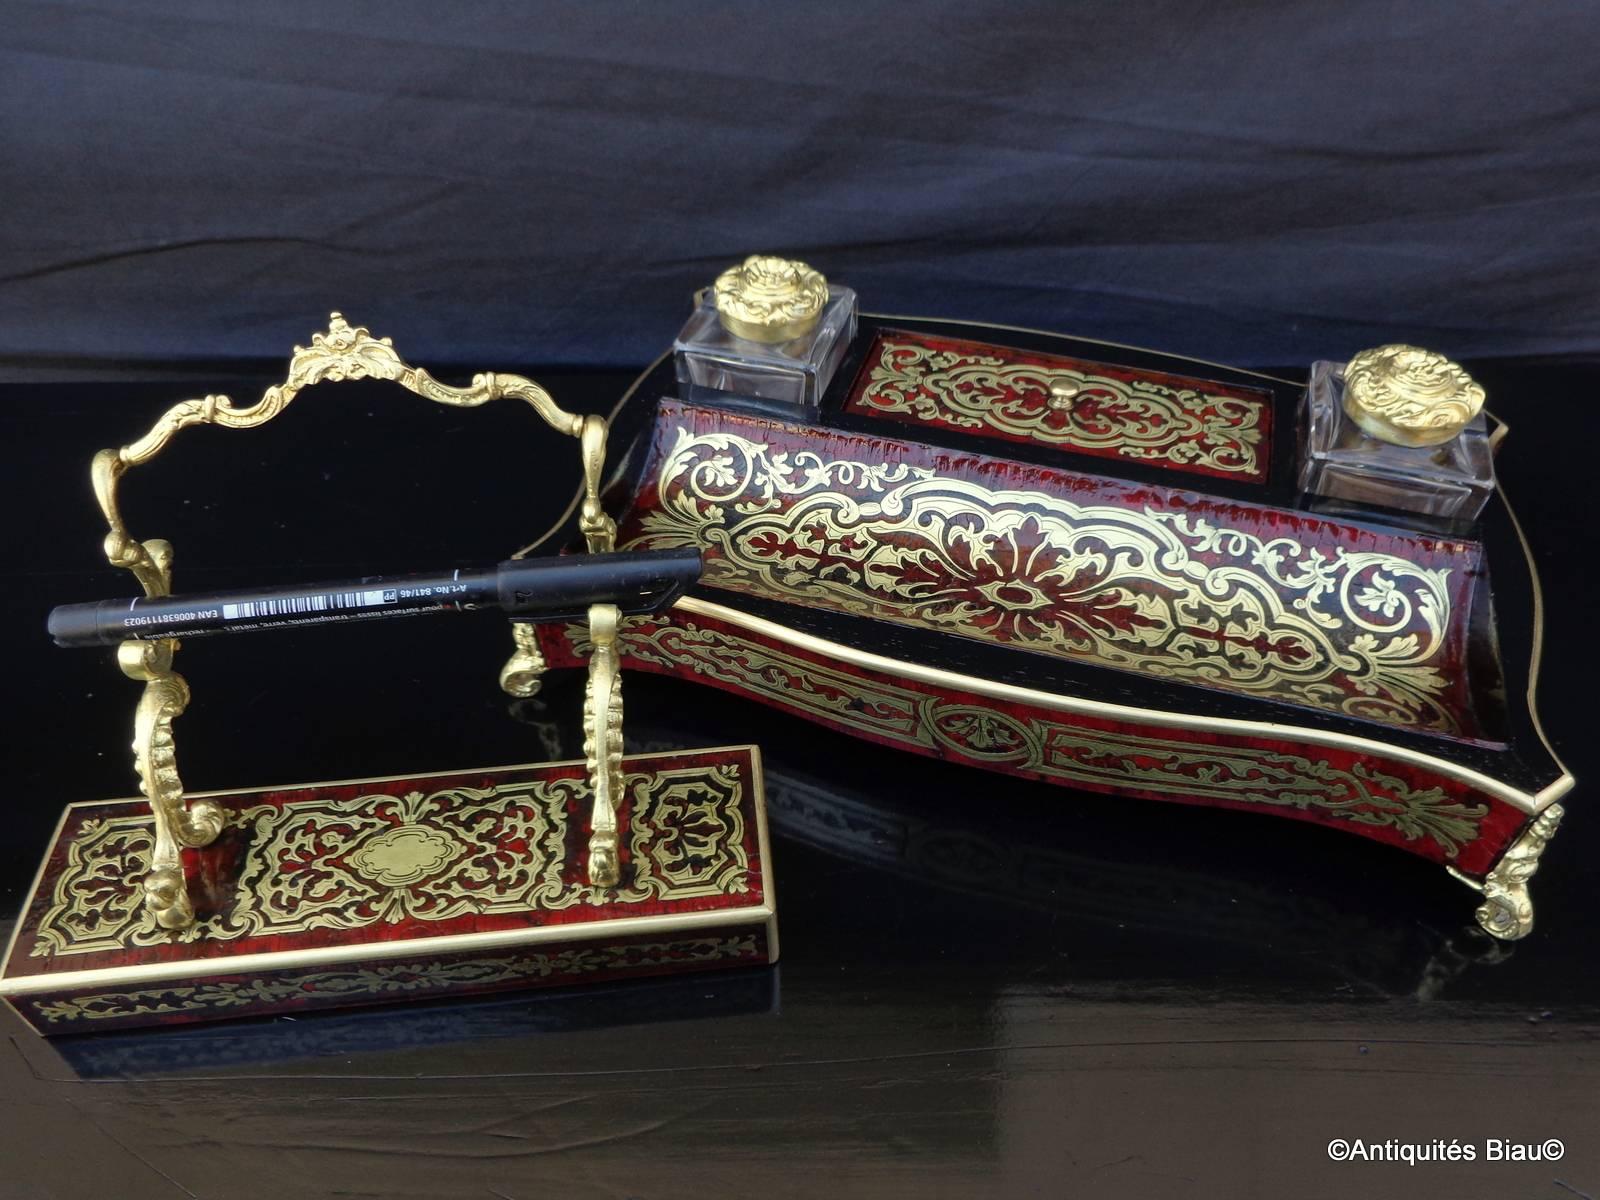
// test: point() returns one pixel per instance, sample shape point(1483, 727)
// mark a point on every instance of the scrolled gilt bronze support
point(166, 695)
point(524, 670)
point(1507, 908)
point(343, 352)
point(602, 742)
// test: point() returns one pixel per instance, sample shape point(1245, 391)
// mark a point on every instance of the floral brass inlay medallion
point(690, 839)
point(404, 855)
point(1091, 408)
point(1167, 591)
point(1032, 744)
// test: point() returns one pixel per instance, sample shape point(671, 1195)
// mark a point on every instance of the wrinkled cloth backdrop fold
point(505, 183)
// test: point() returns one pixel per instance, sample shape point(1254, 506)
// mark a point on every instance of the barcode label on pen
point(293, 605)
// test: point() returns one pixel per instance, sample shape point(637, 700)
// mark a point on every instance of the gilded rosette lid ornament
point(1409, 396)
point(770, 299)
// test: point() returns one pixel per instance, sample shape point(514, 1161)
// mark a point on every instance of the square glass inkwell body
point(770, 329)
point(1397, 427)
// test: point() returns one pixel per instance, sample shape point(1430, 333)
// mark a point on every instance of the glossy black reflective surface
point(986, 985)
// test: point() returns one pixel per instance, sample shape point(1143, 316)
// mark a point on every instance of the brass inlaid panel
point(1183, 424)
point(379, 981)
point(381, 859)
point(817, 689)
point(1164, 591)
point(688, 836)
point(1026, 742)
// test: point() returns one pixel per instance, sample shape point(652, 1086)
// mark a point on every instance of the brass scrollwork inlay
point(379, 980)
point(1073, 408)
point(689, 837)
point(381, 859)
point(1166, 593)
point(1361, 795)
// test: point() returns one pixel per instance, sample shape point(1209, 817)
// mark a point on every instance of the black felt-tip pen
point(542, 589)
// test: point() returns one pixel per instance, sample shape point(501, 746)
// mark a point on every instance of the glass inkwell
point(1397, 427)
point(769, 329)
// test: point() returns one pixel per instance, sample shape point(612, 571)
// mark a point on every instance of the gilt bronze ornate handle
point(343, 352)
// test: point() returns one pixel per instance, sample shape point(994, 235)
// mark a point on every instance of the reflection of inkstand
point(259, 901)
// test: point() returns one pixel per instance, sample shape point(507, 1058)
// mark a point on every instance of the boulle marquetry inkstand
point(178, 908)
point(1109, 568)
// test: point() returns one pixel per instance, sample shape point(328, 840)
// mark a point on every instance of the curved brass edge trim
point(1564, 784)
point(769, 895)
point(1498, 433)
point(1012, 692)
point(1203, 362)
point(334, 955)
point(577, 495)
point(1549, 794)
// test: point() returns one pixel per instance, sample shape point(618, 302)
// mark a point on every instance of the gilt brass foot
point(604, 868)
point(166, 895)
point(1507, 909)
point(524, 671)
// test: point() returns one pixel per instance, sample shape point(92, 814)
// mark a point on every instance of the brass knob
point(1409, 396)
point(1062, 395)
point(770, 299)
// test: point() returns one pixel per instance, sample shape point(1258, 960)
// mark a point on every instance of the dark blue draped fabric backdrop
point(515, 183)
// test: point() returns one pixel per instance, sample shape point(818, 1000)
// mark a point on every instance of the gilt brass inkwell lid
point(1409, 396)
point(770, 299)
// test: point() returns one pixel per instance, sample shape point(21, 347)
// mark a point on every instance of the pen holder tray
point(385, 890)
point(181, 908)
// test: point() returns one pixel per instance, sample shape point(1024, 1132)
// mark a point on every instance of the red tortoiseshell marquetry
point(1429, 810)
point(1257, 601)
point(1173, 422)
point(1308, 615)
point(376, 891)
